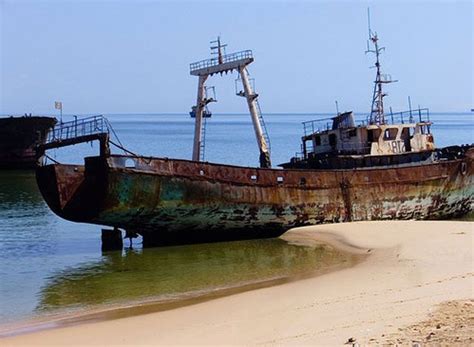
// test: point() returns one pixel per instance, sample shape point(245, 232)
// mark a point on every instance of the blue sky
point(133, 56)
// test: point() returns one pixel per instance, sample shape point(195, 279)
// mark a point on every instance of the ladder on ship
point(264, 126)
point(240, 92)
point(203, 139)
point(209, 96)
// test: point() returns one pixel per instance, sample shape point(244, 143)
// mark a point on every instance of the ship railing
point(317, 126)
point(419, 115)
point(79, 127)
point(84, 130)
point(411, 116)
point(228, 58)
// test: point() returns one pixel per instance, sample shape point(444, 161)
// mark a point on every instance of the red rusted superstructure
point(177, 201)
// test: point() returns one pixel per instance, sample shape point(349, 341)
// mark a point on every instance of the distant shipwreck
point(385, 168)
point(19, 137)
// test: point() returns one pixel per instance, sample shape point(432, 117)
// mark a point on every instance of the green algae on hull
point(170, 201)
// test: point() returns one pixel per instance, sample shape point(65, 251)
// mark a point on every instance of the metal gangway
point(81, 130)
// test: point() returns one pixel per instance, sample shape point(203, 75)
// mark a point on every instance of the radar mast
point(377, 110)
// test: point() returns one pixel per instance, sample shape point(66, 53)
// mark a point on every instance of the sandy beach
point(416, 285)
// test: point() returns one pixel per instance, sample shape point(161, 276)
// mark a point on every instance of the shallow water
point(170, 273)
point(49, 265)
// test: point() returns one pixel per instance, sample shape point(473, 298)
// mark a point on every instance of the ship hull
point(19, 137)
point(178, 201)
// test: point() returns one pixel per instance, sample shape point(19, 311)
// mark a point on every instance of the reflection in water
point(24, 217)
point(27, 239)
point(17, 187)
point(174, 272)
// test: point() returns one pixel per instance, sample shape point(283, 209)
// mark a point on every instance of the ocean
point(50, 266)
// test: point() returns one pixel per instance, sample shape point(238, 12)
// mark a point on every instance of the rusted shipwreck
point(386, 168)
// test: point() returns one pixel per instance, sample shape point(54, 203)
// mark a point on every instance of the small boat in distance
point(385, 168)
point(19, 137)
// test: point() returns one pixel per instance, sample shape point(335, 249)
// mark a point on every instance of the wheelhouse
point(342, 137)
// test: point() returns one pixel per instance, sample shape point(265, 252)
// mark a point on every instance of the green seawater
point(174, 273)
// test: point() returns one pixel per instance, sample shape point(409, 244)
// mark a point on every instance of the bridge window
point(373, 135)
point(407, 133)
point(425, 129)
point(390, 134)
point(317, 140)
point(332, 139)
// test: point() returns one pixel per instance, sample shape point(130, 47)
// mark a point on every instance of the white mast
point(225, 63)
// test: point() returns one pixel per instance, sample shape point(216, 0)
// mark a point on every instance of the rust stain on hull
point(179, 201)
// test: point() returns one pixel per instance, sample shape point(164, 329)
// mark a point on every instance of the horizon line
point(11, 114)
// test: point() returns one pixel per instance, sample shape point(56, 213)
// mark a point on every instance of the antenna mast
point(217, 49)
point(377, 111)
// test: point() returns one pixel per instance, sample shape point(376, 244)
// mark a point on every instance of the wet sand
point(415, 271)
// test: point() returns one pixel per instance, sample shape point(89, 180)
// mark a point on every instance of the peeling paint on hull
point(179, 201)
